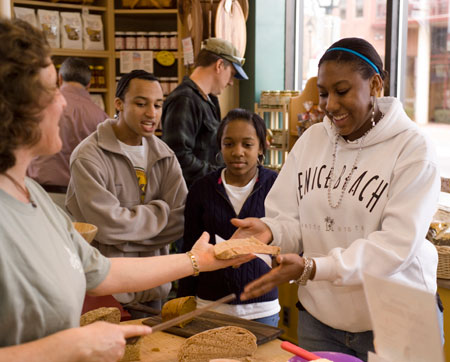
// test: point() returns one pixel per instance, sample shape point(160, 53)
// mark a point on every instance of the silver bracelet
point(307, 270)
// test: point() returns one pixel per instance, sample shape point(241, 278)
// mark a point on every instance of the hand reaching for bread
point(290, 268)
point(252, 226)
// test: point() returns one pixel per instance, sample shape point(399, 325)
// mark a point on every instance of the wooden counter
point(163, 347)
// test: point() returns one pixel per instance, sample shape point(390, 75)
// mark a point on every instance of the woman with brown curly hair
point(46, 267)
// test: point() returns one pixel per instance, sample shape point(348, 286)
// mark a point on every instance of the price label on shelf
point(188, 51)
point(130, 60)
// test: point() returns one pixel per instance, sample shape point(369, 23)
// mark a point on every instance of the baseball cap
point(225, 49)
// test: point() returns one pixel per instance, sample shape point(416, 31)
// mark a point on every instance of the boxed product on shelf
point(25, 14)
point(71, 30)
point(93, 32)
point(49, 23)
point(84, 2)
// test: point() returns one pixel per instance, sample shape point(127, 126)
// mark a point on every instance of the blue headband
point(367, 60)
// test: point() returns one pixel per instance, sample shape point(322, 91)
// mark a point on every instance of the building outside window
point(425, 81)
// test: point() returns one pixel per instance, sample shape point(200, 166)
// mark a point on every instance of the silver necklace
point(347, 179)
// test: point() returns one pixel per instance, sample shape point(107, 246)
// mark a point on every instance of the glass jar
point(141, 40)
point(130, 40)
point(285, 96)
point(153, 40)
point(264, 98)
point(173, 83)
point(119, 40)
point(164, 40)
point(274, 98)
point(93, 77)
point(173, 40)
point(100, 76)
point(164, 81)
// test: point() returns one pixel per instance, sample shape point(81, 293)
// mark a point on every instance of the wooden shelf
point(64, 52)
point(47, 4)
point(146, 11)
point(98, 90)
point(178, 55)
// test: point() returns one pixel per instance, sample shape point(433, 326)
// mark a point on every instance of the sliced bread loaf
point(224, 342)
point(235, 247)
point(111, 315)
point(178, 306)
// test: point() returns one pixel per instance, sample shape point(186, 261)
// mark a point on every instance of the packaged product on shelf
point(153, 40)
point(98, 100)
point(93, 32)
point(130, 40)
point(141, 40)
point(25, 14)
point(71, 30)
point(49, 23)
point(100, 76)
point(173, 40)
point(164, 41)
point(119, 40)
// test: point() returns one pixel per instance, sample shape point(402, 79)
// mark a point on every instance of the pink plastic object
point(303, 353)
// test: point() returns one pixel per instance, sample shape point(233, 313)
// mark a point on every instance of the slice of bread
point(224, 342)
point(111, 315)
point(133, 351)
point(235, 247)
point(178, 306)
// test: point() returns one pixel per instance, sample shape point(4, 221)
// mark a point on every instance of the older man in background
point(79, 119)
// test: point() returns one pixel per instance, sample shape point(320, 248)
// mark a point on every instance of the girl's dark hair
point(250, 117)
point(124, 82)
point(24, 52)
point(360, 46)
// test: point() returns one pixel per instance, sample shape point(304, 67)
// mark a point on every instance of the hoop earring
point(261, 159)
point(373, 111)
point(219, 158)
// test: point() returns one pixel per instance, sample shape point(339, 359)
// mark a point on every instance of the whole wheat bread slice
point(235, 247)
point(224, 342)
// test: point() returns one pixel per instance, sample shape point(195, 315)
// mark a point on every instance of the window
point(359, 8)
point(427, 86)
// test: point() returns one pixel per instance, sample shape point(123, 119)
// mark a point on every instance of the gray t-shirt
point(45, 268)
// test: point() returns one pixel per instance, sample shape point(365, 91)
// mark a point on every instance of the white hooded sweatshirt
point(379, 227)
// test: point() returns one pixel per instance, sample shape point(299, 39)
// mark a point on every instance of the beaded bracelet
point(307, 270)
point(194, 263)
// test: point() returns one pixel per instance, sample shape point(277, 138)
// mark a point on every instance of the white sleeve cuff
point(325, 269)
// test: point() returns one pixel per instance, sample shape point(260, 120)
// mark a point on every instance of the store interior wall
point(265, 51)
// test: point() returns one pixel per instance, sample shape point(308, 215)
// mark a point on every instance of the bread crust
point(234, 247)
point(224, 342)
point(178, 306)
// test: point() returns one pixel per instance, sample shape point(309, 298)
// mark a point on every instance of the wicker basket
point(443, 270)
point(149, 4)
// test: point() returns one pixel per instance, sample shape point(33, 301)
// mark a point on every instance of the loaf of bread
point(178, 306)
point(235, 247)
point(111, 315)
point(224, 342)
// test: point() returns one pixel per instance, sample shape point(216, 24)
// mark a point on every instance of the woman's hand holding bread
point(206, 258)
point(105, 342)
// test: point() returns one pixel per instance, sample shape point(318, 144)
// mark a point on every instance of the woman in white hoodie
point(357, 194)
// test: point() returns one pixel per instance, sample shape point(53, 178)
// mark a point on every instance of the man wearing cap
point(191, 113)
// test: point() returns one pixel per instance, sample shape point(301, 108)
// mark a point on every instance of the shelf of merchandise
point(276, 118)
point(114, 17)
point(94, 57)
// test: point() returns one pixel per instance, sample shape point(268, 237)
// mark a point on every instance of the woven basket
point(443, 270)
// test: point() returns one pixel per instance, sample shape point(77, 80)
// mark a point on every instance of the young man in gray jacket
point(129, 183)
